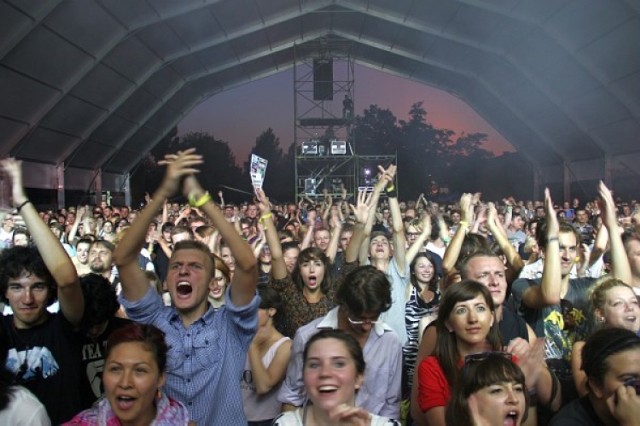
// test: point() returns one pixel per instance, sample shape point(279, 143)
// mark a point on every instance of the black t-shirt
point(512, 325)
point(578, 412)
point(45, 360)
point(92, 364)
point(160, 262)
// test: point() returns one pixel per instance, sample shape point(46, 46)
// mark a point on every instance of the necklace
point(26, 343)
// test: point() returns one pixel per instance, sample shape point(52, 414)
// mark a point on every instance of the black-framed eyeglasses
point(481, 356)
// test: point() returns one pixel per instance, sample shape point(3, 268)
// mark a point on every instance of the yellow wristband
point(464, 223)
point(390, 188)
point(265, 216)
point(204, 199)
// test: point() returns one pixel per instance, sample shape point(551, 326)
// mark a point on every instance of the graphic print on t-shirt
point(32, 363)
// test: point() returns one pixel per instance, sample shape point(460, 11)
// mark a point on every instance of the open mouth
point(184, 288)
point(125, 402)
point(327, 390)
point(511, 419)
point(312, 280)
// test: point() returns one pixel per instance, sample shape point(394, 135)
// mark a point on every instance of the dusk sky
point(240, 115)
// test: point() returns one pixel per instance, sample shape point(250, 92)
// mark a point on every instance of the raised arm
point(417, 245)
point(336, 230)
point(278, 267)
point(362, 213)
point(363, 254)
point(50, 248)
point(620, 268)
point(453, 249)
point(512, 256)
point(125, 256)
point(245, 277)
point(548, 292)
point(399, 239)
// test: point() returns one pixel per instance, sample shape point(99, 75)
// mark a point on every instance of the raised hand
point(387, 175)
point(13, 168)
point(607, 206)
point(553, 227)
point(466, 208)
point(262, 201)
point(362, 207)
point(179, 165)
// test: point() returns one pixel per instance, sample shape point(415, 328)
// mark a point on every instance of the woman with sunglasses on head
point(333, 372)
point(466, 326)
point(490, 391)
point(614, 304)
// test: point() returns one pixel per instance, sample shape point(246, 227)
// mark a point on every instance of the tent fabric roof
point(94, 84)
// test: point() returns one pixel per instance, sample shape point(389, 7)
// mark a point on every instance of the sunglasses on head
point(479, 357)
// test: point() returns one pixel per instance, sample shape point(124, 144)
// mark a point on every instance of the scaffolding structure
point(326, 152)
point(323, 108)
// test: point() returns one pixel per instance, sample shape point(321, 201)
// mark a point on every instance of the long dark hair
point(433, 284)
point(446, 349)
point(309, 254)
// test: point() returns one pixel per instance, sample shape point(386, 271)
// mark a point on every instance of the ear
point(162, 380)
point(359, 381)
point(272, 312)
point(448, 326)
point(598, 314)
point(596, 389)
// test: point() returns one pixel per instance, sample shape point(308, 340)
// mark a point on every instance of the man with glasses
point(364, 294)
point(6, 231)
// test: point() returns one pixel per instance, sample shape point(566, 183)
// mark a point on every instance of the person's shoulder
point(289, 418)
point(521, 284)
point(383, 421)
point(582, 284)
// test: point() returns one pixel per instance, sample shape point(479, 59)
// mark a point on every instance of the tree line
point(429, 159)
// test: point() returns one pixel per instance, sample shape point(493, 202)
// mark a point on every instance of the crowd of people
point(362, 311)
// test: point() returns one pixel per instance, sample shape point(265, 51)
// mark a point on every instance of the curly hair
point(18, 261)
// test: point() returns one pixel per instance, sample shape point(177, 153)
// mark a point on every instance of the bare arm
point(278, 267)
point(620, 267)
point(453, 249)
point(336, 229)
point(363, 254)
point(417, 245)
point(73, 232)
point(50, 248)
point(125, 256)
point(266, 378)
point(399, 239)
point(512, 256)
point(548, 292)
point(362, 213)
